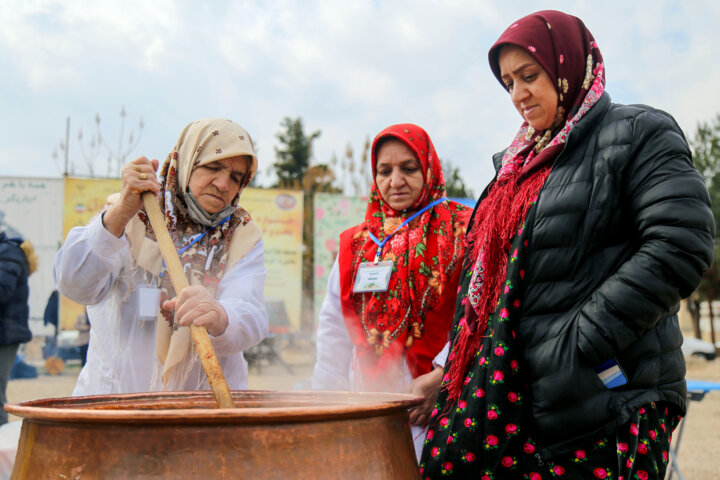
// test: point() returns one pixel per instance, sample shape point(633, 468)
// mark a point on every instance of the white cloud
point(348, 68)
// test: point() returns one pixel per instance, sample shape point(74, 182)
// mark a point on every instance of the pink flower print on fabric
point(507, 461)
point(497, 377)
point(562, 59)
point(600, 473)
point(446, 468)
point(491, 442)
point(532, 49)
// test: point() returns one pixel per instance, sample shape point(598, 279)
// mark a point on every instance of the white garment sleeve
point(334, 347)
point(89, 262)
point(241, 293)
point(441, 358)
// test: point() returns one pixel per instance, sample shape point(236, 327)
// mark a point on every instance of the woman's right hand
point(138, 176)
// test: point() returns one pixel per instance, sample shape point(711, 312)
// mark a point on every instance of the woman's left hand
point(427, 386)
point(195, 305)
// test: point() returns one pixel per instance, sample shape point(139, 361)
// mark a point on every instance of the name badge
point(611, 374)
point(373, 277)
point(148, 302)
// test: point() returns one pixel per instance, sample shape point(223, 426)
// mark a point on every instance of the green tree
point(706, 156)
point(454, 183)
point(294, 153)
point(295, 170)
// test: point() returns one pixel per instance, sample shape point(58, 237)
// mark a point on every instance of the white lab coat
point(336, 367)
point(96, 269)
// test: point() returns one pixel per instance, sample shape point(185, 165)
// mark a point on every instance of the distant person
point(18, 261)
point(50, 316)
point(139, 340)
point(82, 325)
point(390, 336)
point(565, 358)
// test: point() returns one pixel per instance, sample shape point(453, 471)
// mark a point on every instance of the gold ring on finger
point(142, 176)
point(138, 168)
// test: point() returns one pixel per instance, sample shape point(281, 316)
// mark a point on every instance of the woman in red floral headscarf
point(386, 335)
point(565, 357)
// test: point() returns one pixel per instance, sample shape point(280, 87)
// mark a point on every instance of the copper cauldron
point(278, 435)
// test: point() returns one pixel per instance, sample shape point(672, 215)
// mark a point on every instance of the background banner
point(31, 208)
point(334, 213)
point(279, 213)
point(84, 198)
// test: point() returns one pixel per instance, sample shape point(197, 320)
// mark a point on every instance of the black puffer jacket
point(14, 292)
point(622, 230)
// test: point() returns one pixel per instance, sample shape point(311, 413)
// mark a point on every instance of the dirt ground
point(699, 457)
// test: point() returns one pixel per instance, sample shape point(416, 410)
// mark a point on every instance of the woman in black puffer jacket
point(566, 355)
point(17, 261)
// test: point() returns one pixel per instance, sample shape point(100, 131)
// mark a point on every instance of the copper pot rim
point(308, 408)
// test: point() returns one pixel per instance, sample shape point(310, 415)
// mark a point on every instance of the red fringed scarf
point(505, 202)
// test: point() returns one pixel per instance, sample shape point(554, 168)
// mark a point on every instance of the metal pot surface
point(180, 435)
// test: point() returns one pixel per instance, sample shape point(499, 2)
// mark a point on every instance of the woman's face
point(398, 175)
point(215, 184)
point(530, 87)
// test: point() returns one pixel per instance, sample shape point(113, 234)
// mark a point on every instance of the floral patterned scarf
point(413, 316)
point(566, 50)
point(201, 142)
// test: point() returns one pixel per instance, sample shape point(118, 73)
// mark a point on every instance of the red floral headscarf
point(413, 316)
point(566, 50)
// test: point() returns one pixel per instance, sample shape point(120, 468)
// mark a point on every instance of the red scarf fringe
point(498, 220)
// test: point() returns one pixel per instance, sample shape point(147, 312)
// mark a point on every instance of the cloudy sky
point(348, 68)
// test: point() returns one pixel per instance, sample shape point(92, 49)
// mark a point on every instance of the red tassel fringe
point(498, 220)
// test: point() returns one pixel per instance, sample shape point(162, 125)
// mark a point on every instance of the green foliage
point(294, 170)
point(454, 183)
point(706, 156)
point(294, 153)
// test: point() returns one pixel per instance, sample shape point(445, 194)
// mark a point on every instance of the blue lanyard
point(416, 214)
point(197, 239)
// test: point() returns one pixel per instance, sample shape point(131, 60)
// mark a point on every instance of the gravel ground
point(699, 456)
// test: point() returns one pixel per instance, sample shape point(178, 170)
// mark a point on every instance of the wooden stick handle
point(177, 276)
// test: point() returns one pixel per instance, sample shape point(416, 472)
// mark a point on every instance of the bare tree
point(93, 147)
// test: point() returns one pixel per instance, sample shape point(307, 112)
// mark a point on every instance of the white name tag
point(148, 302)
point(373, 277)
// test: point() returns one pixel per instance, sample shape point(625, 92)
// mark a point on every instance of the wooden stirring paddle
point(177, 277)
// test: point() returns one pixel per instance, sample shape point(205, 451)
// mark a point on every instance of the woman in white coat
point(139, 339)
point(391, 294)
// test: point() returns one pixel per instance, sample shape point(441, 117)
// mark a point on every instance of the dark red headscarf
point(566, 50)
point(413, 316)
